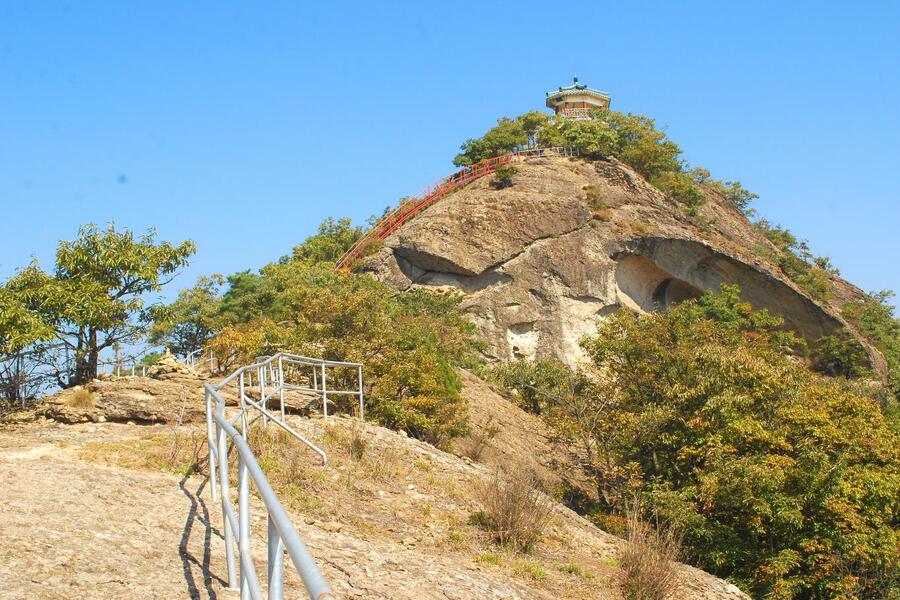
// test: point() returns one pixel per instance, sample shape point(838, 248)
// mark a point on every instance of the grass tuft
point(514, 510)
point(82, 398)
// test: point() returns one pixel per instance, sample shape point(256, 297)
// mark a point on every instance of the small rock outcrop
point(171, 392)
point(169, 368)
point(572, 241)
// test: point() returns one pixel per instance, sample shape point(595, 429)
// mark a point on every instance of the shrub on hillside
point(681, 188)
point(783, 481)
point(514, 510)
point(534, 385)
point(794, 258)
point(409, 342)
point(503, 176)
point(647, 560)
point(840, 355)
point(874, 318)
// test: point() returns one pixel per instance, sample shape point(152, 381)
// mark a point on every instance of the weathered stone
point(538, 270)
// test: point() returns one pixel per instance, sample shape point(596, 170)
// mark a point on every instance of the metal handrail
point(412, 205)
point(281, 532)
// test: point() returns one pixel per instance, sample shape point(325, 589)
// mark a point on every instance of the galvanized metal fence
point(127, 370)
point(309, 376)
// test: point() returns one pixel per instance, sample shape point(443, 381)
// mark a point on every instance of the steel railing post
point(261, 374)
point(324, 392)
point(243, 406)
point(362, 405)
point(210, 442)
point(281, 384)
point(244, 523)
point(223, 490)
point(276, 563)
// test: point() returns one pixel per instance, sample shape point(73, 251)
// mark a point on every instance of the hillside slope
point(572, 240)
point(100, 510)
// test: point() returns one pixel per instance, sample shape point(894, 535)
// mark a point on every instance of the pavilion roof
point(575, 88)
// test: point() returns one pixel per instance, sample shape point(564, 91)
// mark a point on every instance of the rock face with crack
point(572, 241)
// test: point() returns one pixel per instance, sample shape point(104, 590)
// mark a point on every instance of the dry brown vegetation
point(396, 492)
point(640, 227)
point(181, 452)
point(478, 441)
point(648, 560)
point(593, 196)
point(515, 511)
point(81, 398)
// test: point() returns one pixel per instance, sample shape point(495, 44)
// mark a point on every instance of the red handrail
point(412, 205)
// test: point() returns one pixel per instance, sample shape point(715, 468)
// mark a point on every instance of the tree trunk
point(86, 358)
point(93, 355)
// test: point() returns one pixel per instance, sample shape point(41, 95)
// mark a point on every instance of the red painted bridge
point(413, 205)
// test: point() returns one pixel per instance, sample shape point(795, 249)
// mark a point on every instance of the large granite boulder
point(573, 240)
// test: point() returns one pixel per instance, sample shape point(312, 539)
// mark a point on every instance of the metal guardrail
point(195, 359)
point(126, 370)
point(270, 375)
point(412, 205)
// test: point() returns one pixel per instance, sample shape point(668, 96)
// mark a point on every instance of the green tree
point(410, 343)
point(506, 135)
point(535, 385)
point(840, 355)
point(246, 297)
point(333, 238)
point(591, 138)
point(793, 256)
point(19, 326)
point(191, 320)
point(874, 318)
point(642, 146)
point(95, 297)
point(20, 329)
point(782, 481)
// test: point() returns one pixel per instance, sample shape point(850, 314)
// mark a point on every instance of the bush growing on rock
point(633, 139)
point(503, 176)
point(840, 355)
point(648, 560)
point(783, 481)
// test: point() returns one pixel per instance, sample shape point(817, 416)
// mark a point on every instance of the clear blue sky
point(243, 125)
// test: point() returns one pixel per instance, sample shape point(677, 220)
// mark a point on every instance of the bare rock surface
point(572, 241)
point(169, 368)
point(391, 525)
